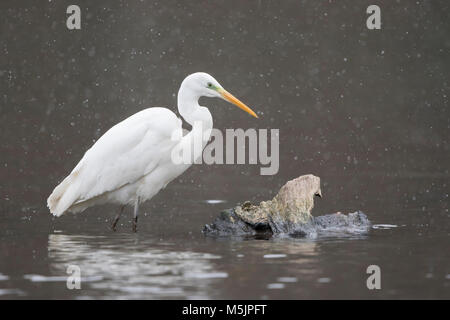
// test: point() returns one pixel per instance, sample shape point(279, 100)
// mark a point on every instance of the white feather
point(125, 154)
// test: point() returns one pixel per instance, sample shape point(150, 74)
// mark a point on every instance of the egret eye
point(210, 85)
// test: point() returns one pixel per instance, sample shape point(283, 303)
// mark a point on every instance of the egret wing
point(123, 155)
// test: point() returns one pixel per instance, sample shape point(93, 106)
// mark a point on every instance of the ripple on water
point(152, 290)
point(275, 286)
point(274, 256)
point(287, 279)
point(384, 226)
point(16, 292)
point(3, 277)
point(215, 201)
point(202, 275)
point(41, 278)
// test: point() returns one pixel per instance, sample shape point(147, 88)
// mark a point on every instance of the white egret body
point(132, 161)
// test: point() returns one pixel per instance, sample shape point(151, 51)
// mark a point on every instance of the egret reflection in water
point(136, 269)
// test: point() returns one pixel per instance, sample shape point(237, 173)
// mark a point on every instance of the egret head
point(204, 85)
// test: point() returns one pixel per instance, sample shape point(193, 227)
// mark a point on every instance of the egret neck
point(198, 117)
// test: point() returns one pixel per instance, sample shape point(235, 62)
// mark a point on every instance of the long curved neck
point(198, 117)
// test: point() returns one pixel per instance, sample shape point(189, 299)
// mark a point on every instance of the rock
point(355, 222)
point(288, 213)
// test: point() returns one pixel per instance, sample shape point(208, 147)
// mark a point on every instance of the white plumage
point(133, 161)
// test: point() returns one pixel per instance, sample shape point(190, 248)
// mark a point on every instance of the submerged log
point(288, 213)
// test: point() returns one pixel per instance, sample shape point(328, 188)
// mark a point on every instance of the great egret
point(133, 161)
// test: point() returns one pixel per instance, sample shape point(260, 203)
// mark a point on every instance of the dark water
point(367, 111)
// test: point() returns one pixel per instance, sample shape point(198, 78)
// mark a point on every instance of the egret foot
point(116, 219)
point(135, 224)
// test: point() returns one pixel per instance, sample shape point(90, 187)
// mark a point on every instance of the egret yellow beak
point(232, 99)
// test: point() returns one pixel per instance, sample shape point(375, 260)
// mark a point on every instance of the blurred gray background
point(347, 100)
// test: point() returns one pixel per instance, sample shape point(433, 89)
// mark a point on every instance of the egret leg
point(136, 213)
point(116, 219)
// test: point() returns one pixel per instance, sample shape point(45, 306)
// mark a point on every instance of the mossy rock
point(288, 213)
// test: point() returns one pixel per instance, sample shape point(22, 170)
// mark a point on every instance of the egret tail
point(63, 196)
